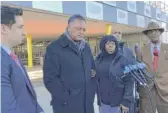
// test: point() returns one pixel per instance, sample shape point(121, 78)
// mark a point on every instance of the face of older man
point(77, 29)
point(154, 35)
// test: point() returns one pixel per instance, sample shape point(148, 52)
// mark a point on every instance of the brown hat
point(153, 26)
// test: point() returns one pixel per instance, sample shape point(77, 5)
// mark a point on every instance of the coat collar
point(65, 42)
point(6, 49)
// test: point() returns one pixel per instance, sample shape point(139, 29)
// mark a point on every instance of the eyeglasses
point(80, 29)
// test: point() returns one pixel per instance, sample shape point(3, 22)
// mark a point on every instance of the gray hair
point(76, 16)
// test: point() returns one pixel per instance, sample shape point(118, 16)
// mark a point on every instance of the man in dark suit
point(68, 70)
point(127, 52)
point(17, 93)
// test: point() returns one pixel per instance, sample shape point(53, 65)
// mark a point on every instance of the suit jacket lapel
point(161, 58)
point(27, 79)
point(22, 70)
point(147, 56)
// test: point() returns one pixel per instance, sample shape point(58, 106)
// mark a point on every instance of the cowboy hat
point(153, 26)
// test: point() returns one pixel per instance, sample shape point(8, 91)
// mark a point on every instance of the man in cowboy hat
point(155, 56)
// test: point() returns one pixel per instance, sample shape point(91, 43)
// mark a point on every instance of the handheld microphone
point(136, 75)
point(126, 72)
point(142, 67)
point(141, 74)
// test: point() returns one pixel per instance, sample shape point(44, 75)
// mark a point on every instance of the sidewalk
point(35, 72)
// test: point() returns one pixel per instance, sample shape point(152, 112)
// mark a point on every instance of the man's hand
point(93, 72)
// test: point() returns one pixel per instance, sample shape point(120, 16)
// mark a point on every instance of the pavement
point(44, 96)
point(35, 72)
point(33, 75)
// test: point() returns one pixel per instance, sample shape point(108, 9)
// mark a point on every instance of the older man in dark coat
point(68, 68)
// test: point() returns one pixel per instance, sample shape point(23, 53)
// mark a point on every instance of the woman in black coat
point(113, 94)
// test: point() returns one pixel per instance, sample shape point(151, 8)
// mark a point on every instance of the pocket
point(58, 107)
point(63, 99)
point(66, 96)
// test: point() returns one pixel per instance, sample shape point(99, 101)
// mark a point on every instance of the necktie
point(15, 58)
point(156, 58)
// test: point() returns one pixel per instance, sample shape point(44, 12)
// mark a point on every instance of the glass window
point(165, 37)
point(147, 2)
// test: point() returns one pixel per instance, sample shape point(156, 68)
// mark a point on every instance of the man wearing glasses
point(68, 70)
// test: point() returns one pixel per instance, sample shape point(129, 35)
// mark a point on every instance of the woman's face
point(110, 47)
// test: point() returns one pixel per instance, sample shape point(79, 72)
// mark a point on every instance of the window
point(165, 37)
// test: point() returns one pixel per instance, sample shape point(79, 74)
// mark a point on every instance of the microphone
point(137, 75)
point(137, 72)
point(142, 67)
point(129, 71)
point(141, 74)
point(126, 72)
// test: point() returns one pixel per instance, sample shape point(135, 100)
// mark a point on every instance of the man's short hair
point(74, 17)
point(8, 14)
